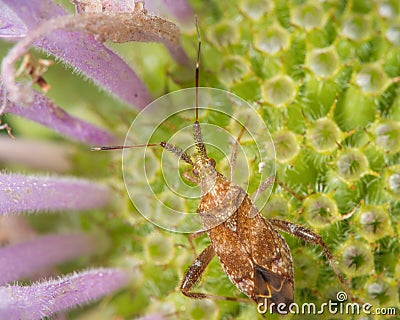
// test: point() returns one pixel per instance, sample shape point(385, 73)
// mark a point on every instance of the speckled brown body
point(252, 253)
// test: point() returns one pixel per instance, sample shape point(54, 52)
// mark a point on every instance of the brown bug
point(251, 250)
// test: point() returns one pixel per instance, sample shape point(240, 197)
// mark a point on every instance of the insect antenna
point(108, 148)
point(201, 149)
point(167, 146)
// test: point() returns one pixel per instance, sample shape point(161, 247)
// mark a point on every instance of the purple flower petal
point(45, 112)
point(180, 9)
point(19, 193)
point(80, 50)
point(46, 298)
point(24, 259)
point(44, 155)
point(11, 26)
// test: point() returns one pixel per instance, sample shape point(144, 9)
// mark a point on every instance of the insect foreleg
point(193, 236)
point(263, 186)
point(194, 273)
point(235, 148)
point(190, 177)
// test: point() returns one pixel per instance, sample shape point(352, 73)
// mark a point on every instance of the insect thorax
point(220, 200)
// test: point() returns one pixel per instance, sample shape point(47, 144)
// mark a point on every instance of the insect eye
point(212, 162)
point(195, 172)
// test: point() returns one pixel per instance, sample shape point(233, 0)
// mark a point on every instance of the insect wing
point(273, 267)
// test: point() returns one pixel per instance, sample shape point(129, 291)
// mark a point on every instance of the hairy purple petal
point(20, 193)
point(24, 259)
point(46, 298)
point(45, 112)
point(11, 26)
point(44, 155)
point(179, 56)
point(180, 9)
point(81, 51)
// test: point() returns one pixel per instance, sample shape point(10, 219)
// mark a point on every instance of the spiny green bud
point(351, 164)
point(158, 249)
point(223, 34)
point(272, 40)
point(286, 145)
point(393, 35)
point(356, 259)
point(304, 262)
point(324, 62)
point(320, 210)
point(255, 9)
point(393, 180)
point(389, 9)
point(277, 206)
point(374, 223)
point(308, 16)
point(383, 292)
point(232, 69)
point(356, 27)
point(202, 309)
point(371, 79)
point(279, 90)
point(387, 135)
point(324, 135)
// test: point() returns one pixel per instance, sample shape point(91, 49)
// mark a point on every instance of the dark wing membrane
point(272, 288)
point(273, 267)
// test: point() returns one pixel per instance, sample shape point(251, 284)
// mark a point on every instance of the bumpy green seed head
point(373, 222)
point(323, 75)
point(273, 40)
point(371, 79)
point(324, 135)
point(277, 206)
point(158, 249)
point(351, 164)
point(382, 292)
point(200, 309)
point(356, 259)
point(308, 16)
point(286, 145)
point(393, 181)
point(320, 210)
point(279, 91)
point(387, 135)
point(356, 27)
point(324, 62)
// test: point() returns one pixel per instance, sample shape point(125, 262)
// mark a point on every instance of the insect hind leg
point(311, 237)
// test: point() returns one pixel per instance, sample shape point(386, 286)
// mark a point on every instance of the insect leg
point(194, 273)
point(311, 237)
point(189, 177)
point(193, 236)
point(263, 186)
point(235, 148)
